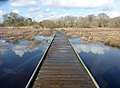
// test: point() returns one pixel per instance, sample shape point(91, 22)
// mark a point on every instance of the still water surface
point(19, 59)
point(101, 60)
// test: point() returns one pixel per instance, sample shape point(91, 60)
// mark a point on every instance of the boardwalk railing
point(91, 76)
point(32, 78)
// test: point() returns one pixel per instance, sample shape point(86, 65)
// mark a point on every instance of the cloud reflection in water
point(96, 48)
point(101, 60)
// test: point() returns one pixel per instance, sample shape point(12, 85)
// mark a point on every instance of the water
point(101, 60)
point(19, 59)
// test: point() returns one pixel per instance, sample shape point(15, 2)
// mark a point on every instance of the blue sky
point(47, 9)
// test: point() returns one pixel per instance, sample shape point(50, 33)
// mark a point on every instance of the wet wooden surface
point(62, 68)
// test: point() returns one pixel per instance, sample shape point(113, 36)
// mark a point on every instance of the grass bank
point(16, 33)
point(109, 36)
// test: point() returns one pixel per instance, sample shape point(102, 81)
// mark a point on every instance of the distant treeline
point(90, 21)
point(14, 19)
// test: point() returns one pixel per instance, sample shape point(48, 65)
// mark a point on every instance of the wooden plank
point(62, 68)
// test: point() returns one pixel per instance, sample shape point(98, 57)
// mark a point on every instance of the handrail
point(40, 62)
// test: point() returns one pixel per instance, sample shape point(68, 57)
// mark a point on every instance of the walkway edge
point(94, 81)
point(39, 63)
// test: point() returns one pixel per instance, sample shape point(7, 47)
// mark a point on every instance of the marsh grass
point(109, 36)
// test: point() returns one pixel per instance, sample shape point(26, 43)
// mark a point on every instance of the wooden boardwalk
point(62, 68)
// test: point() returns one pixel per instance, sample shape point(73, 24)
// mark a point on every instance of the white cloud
point(16, 11)
point(113, 14)
point(23, 3)
point(76, 3)
point(39, 14)
point(94, 48)
point(34, 9)
point(1, 12)
point(47, 9)
point(63, 3)
point(21, 49)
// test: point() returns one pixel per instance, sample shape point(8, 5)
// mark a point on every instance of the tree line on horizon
point(90, 21)
point(14, 19)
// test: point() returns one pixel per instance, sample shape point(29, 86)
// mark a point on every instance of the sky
point(48, 9)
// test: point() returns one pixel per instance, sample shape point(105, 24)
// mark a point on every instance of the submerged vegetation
point(35, 42)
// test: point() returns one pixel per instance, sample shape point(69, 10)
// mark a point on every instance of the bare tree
point(28, 21)
point(14, 19)
point(103, 20)
point(47, 24)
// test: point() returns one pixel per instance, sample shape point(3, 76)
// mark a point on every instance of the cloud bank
point(76, 3)
point(23, 3)
point(44, 9)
